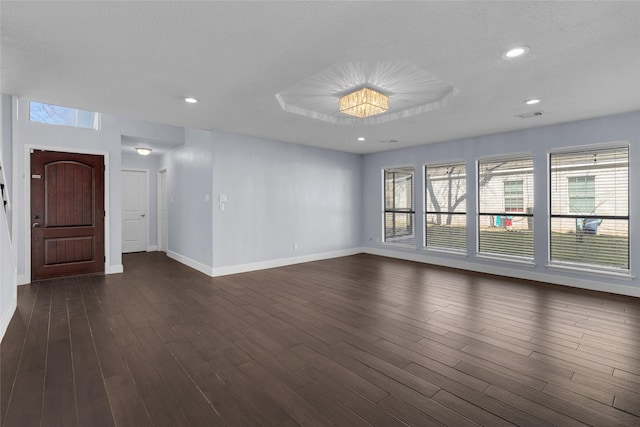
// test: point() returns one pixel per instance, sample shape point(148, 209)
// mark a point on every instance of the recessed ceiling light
point(515, 52)
point(190, 100)
point(361, 138)
point(143, 151)
point(532, 101)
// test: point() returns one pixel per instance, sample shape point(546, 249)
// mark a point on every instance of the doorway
point(67, 214)
point(135, 209)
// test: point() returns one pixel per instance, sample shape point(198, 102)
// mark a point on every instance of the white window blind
point(505, 207)
point(398, 206)
point(446, 206)
point(590, 208)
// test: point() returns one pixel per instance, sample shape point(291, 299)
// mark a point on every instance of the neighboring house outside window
point(589, 193)
point(513, 196)
point(505, 207)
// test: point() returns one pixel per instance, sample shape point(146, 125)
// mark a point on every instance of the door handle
point(142, 215)
point(35, 225)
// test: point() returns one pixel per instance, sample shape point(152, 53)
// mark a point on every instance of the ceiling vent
point(529, 115)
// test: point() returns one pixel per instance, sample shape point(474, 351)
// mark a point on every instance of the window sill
point(507, 259)
point(399, 245)
point(623, 275)
point(445, 251)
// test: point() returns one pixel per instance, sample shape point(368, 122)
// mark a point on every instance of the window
point(505, 207)
point(582, 194)
point(589, 192)
point(513, 196)
point(446, 206)
point(398, 206)
point(65, 116)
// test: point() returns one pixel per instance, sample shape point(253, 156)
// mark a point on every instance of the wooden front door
point(67, 214)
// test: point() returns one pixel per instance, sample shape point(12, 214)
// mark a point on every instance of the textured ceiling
point(140, 59)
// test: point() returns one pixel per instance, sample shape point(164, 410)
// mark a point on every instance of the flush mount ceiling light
point(414, 91)
point(190, 100)
point(363, 103)
point(143, 151)
point(516, 52)
point(532, 101)
point(361, 138)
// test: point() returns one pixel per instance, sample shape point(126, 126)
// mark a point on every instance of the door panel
point(67, 214)
point(134, 211)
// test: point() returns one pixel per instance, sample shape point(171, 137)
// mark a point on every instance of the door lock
point(35, 225)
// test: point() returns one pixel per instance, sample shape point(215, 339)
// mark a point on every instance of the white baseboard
point(280, 262)
point(152, 248)
point(22, 280)
point(191, 263)
point(7, 315)
point(114, 269)
point(508, 272)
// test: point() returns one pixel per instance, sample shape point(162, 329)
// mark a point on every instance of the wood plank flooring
point(352, 341)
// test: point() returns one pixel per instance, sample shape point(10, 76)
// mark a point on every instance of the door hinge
point(104, 258)
point(104, 213)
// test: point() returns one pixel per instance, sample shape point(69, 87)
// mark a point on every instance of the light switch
point(207, 198)
point(222, 198)
point(221, 206)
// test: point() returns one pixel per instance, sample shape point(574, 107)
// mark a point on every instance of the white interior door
point(163, 216)
point(134, 211)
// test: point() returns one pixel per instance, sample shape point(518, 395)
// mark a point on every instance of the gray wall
point(538, 141)
point(284, 202)
point(188, 183)
point(280, 195)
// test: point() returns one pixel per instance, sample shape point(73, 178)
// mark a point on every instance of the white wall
point(278, 195)
point(537, 141)
point(106, 141)
point(62, 138)
point(188, 183)
point(150, 164)
point(284, 202)
point(6, 154)
point(8, 294)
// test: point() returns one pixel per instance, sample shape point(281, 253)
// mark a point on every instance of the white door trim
point(146, 176)
point(160, 199)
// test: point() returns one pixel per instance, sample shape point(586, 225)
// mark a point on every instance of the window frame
point(528, 260)
point(410, 211)
point(586, 267)
point(427, 212)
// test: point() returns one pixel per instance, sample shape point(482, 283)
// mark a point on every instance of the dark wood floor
point(360, 340)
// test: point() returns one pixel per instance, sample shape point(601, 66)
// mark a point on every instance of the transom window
point(64, 116)
point(398, 206)
point(589, 196)
point(446, 206)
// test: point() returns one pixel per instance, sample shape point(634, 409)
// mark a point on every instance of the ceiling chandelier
point(363, 103)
